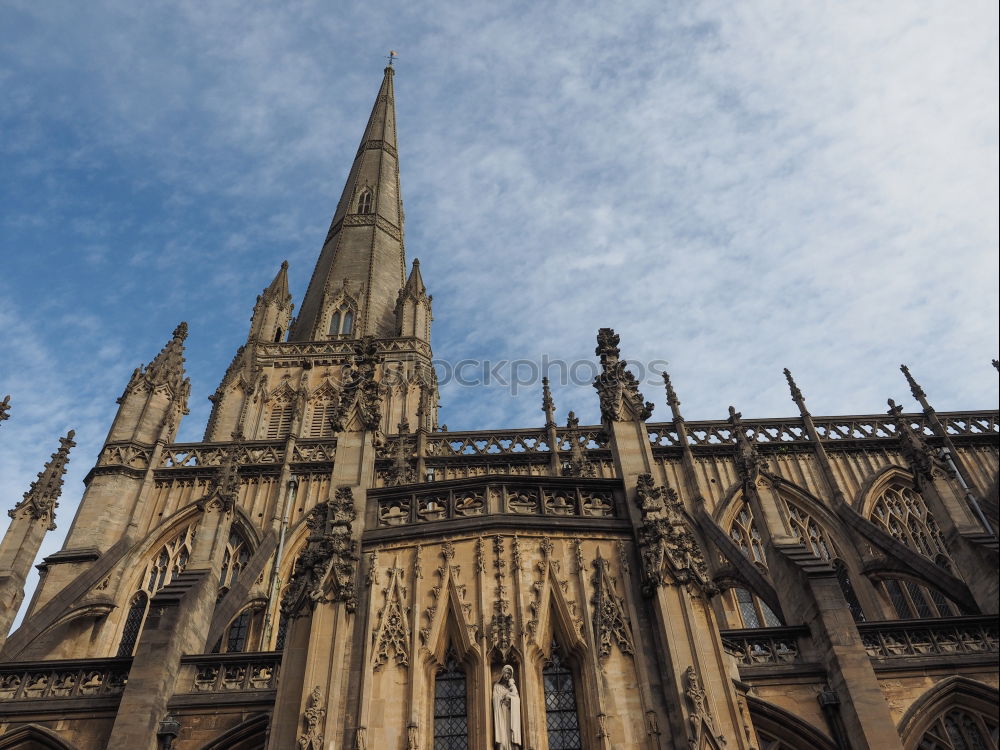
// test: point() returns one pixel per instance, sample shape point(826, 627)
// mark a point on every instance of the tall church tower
point(329, 569)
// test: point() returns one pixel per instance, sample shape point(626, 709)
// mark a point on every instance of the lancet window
point(234, 560)
point(342, 321)
point(960, 729)
point(753, 611)
point(365, 202)
point(745, 533)
point(901, 512)
point(451, 723)
point(912, 601)
point(562, 721)
point(238, 633)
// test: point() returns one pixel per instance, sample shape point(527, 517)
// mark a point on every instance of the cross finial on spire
point(391, 56)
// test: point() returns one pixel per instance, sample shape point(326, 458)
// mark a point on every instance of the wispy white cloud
point(735, 188)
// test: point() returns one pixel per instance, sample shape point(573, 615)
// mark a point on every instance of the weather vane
point(391, 56)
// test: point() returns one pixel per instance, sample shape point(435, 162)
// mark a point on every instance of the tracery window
point(753, 610)
point(451, 724)
point(810, 533)
point(342, 321)
point(745, 533)
point(562, 722)
point(234, 560)
point(901, 512)
point(282, 634)
point(365, 202)
point(279, 422)
point(913, 601)
point(960, 729)
point(168, 562)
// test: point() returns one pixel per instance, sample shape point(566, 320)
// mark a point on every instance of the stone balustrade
point(72, 678)
point(593, 499)
point(228, 673)
point(896, 639)
point(755, 647)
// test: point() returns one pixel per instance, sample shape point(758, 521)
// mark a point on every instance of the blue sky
point(735, 188)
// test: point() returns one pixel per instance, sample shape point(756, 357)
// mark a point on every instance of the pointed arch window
point(810, 533)
point(753, 610)
point(960, 729)
point(844, 579)
point(234, 560)
point(901, 511)
point(133, 624)
point(238, 633)
point(912, 601)
point(342, 321)
point(365, 202)
point(562, 720)
point(745, 533)
point(169, 561)
point(282, 634)
point(451, 723)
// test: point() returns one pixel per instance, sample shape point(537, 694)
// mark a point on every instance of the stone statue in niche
point(506, 712)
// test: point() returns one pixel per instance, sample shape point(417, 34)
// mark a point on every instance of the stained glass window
point(754, 611)
point(133, 624)
point(451, 725)
point(960, 729)
point(913, 601)
point(236, 636)
point(561, 720)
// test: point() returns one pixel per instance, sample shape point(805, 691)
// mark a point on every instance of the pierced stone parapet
point(950, 636)
point(249, 453)
point(229, 673)
point(76, 678)
point(755, 647)
point(418, 504)
point(847, 429)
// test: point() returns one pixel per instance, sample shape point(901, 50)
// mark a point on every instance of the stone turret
point(413, 307)
point(155, 397)
point(31, 518)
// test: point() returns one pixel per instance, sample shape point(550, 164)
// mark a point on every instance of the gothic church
point(329, 569)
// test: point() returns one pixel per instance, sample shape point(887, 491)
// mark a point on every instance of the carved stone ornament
point(325, 570)
point(392, 631)
point(42, 498)
point(359, 388)
point(666, 542)
point(617, 388)
point(311, 737)
point(501, 633)
point(225, 487)
point(919, 456)
point(749, 462)
point(699, 717)
point(611, 626)
point(578, 465)
point(401, 471)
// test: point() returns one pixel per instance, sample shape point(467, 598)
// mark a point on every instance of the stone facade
point(330, 569)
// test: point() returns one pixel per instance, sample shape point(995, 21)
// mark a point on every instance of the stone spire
point(413, 307)
point(273, 310)
point(41, 499)
point(361, 267)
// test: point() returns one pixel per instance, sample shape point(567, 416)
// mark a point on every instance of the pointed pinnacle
point(5, 408)
point(672, 399)
point(44, 491)
point(548, 405)
point(181, 331)
point(796, 393)
point(915, 389)
point(168, 365)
